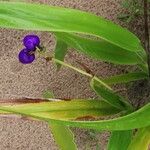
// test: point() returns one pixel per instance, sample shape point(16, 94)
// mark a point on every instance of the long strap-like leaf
point(101, 50)
point(137, 119)
point(45, 18)
point(72, 109)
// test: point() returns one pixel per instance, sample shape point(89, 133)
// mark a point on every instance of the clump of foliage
point(134, 9)
point(111, 43)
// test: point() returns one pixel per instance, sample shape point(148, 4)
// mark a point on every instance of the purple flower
point(26, 57)
point(31, 42)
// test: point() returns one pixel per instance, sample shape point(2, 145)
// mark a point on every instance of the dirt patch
point(139, 93)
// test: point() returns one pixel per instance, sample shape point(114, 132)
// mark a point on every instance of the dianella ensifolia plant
point(99, 39)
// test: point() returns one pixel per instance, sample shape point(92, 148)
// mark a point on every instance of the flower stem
point(72, 67)
point(64, 64)
point(82, 72)
point(76, 69)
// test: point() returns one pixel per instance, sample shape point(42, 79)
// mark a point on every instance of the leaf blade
point(45, 18)
point(119, 140)
point(141, 140)
point(125, 78)
point(69, 109)
point(48, 94)
point(60, 51)
point(101, 50)
point(109, 95)
point(135, 120)
point(63, 136)
point(60, 131)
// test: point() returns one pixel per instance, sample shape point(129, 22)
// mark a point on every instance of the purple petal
point(25, 57)
point(31, 42)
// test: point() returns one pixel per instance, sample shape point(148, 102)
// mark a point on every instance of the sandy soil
point(17, 80)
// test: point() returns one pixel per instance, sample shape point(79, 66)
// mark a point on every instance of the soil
point(139, 93)
point(17, 80)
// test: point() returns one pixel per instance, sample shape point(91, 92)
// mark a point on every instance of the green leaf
point(48, 94)
point(45, 18)
point(65, 109)
point(101, 49)
point(60, 51)
point(109, 95)
point(125, 78)
point(137, 119)
point(120, 140)
point(63, 136)
point(141, 140)
point(60, 131)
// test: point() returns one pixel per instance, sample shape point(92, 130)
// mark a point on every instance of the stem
point(147, 42)
point(82, 72)
point(77, 69)
point(65, 64)
point(102, 83)
point(70, 66)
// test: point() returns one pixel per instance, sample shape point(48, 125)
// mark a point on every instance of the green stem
point(82, 72)
point(65, 64)
point(102, 83)
point(72, 67)
point(76, 69)
point(100, 80)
